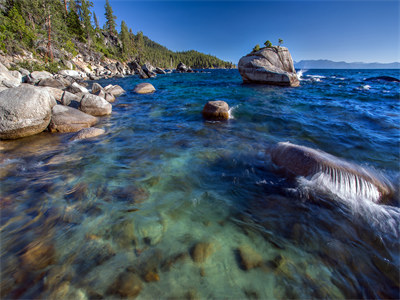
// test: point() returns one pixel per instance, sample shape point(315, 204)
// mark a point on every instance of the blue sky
point(351, 31)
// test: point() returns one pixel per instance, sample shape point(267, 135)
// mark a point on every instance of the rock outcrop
point(7, 78)
point(68, 119)
point(24, 111)
point(270, 65)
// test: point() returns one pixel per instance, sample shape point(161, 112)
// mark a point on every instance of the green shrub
point(268, 44)
point(256, 48)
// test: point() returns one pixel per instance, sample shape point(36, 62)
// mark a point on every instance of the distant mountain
point(328, 64)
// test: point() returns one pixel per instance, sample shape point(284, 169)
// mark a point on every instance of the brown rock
point(216, 110)
point(127, 285)
point(68, 119)
point(151, 276)
point(201, 251)
point(38, 255)
point(249, 258)
point(144, 88)
point(87, 133)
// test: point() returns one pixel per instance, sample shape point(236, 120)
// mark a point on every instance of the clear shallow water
point(77, 217)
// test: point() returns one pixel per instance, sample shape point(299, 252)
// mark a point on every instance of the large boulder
point(216, 110)
point(56, 93)
point(144, 88)
point(71, 100)
point(96, 87)
point(137, 69)
point(54, 83)
point(68, 119)
point(339, 176)
point(182, 67)
point(95, 105)
point(149, 69)
point(76, 88)
point(36, 76)
point(24, 111)
point(114, 90)
point(160, 71)
point(270, 65)
point(8, 79)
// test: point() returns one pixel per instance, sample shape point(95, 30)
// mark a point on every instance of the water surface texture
point(167, 205)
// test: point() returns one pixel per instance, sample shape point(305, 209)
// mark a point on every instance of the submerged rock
point(87, 133)
point(38, 255)
point(270, 65)
point(216, 110)
point(383, 78)
point(304, 161)
point(144, 88)
point(249, 258)
point(24, 111)
point(68, 119)
point(201, 251)
point(127, 285)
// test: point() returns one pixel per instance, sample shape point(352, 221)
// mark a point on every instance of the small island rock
point(144, 88)
point(216, 110)
point(270, 65)
point(95, 105)
point(24, 111)
point(68, 119)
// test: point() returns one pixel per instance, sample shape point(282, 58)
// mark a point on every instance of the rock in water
point(270, 65)
point(342, 176)
point(87, 133)
point(201, 251)
point(216, 110)
point(249, 258)
point(95, 105)
point(144, 88)
point(68, 119)
point(181, 67)
point(24, 111)
point(383, 78)
point(127, 285)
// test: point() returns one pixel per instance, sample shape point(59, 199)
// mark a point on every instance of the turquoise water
point(76, 217)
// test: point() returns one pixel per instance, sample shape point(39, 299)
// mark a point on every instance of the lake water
point(167, 205)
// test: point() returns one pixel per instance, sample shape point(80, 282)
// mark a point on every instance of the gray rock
point(115, 90)
point(96, 87)
point(71, 100)
point(56, 93)
point(149, 70)
point(216, 110)
point(68, 119)
point(24, 111)
point(24, 72)
point(52, 82)
point(109, 97)
point(72, 73)
point(182, 67)
point(144, 88)
point(159, 71)
point(137, 69)
point(95, 105)
point(272, 65)
point(7, 79)
point(36, 76)
point(76, 88)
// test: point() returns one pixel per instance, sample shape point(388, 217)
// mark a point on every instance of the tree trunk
point(65, 4)
point(49, 50)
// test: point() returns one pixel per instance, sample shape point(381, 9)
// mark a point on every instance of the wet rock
point(152, 232)
point(123, 234)
point(137, 69)
point(38, 255)
point(24, 111)
point(127, 285)
point(68, 119)
point(92, 254)
point(144, 88)
point(304, 161)
point(58, 274)
point(201, 251)
point(95, 105)
point(182, 67)
point(172, 260)
point(383, 78)
point(159, 71)
point(87, 133)
point(76, 88)
point(270, 65)
point(149, 70)
point(249, 258)
point(216, 110)
point(151, 277)
point(114, 90)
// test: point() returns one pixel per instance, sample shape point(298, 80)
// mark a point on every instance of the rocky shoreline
point(33, 102)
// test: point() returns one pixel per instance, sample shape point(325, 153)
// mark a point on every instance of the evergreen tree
point(256, 48)
point(110, 23)
point(125, 40)
point(280, 42)
point(268, 44)
point(86, 19)
point(96, 21)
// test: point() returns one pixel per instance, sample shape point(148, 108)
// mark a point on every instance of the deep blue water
point(161, 180)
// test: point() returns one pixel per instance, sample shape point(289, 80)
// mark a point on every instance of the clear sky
point(341, 30)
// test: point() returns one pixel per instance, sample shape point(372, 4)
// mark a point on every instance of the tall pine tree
point(110, 23)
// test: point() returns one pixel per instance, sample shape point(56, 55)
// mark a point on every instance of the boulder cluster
point(33, 102)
